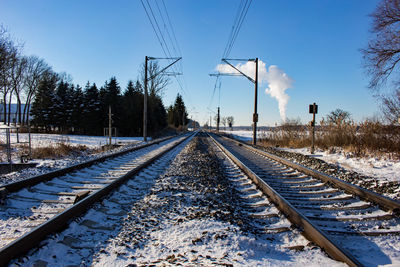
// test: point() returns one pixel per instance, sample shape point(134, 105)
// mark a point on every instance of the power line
point(233, 28)
point(152, 25)
point(237, 24)
point(167, 47)
point(245, 9)
point(158, 27)
point(241, 13)
point(172, 28)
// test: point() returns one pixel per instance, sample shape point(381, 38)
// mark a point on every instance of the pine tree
point(93, 118)
point(62, 109)
point(177, 114)
point(110, 95)
point(78, 110)
point(157, 114)
point(132, 102)
point(42, 104)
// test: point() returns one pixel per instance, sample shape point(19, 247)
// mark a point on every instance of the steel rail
point(365, 194)
point(15, 186)
point(60, 221)
point(310, 231)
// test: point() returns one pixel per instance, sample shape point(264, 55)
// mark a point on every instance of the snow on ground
point(51, 140)
point(42, 140)
point(185, 221)
point(170, 218)
point(379, 168)
point(244, 135)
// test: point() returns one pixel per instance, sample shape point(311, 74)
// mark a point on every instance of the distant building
point(13, 115)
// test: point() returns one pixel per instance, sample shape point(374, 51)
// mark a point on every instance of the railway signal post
point(314, 110)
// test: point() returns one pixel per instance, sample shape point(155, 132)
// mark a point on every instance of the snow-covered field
point(51, 140)
point(42, 140)
point(379, 168)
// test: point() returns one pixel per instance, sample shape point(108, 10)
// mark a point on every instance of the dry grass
point(58, 151)
point(289, 134)
point(370, 137)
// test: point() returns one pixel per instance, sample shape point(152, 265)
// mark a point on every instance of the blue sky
point(316, 43)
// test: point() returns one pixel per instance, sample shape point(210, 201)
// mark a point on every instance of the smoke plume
point(278, 81)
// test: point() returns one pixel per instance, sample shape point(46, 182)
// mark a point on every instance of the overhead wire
point(158, 27)
point(167, 47)
point(152, 25)
point(233, 28)
point(240, 16)
point(244, 12)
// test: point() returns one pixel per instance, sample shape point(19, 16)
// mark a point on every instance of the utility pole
point(255, 81)
point(109, 124)
point(218, 121)
point(146, 59)
point(183, 120)
point(255, 115)
point(146, 79)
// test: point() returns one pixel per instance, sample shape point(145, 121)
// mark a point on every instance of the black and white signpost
point(314, 110)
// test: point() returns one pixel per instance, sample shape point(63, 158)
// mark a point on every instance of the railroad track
point(36, 207)
point(192, 190)
point(331, 213)
point(326, 215)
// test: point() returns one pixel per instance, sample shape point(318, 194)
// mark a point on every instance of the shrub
point(291, 133)
point(367, 137)
point(58, 151)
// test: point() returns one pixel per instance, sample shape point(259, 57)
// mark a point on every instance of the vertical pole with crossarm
point(145, 101)
point(109, 125)
point(218, 119)
point(146, 79)
point(255, 81)
point(255, 115)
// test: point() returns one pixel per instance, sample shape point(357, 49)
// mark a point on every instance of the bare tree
point(230, 121)
point(391, 106)
point(157, 84)
point(223, 122)
point(8, 54)
point(338, 117)
point(383, 52)
point(19, 64)
point(35, 70)
point(215, 119)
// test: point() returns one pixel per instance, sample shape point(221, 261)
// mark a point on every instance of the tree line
point(19, 78)
point(54, 103)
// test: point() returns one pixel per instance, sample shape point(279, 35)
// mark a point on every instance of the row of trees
point(19, 78)
point(56, 104)
point(61, 106)
point(225, 121)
